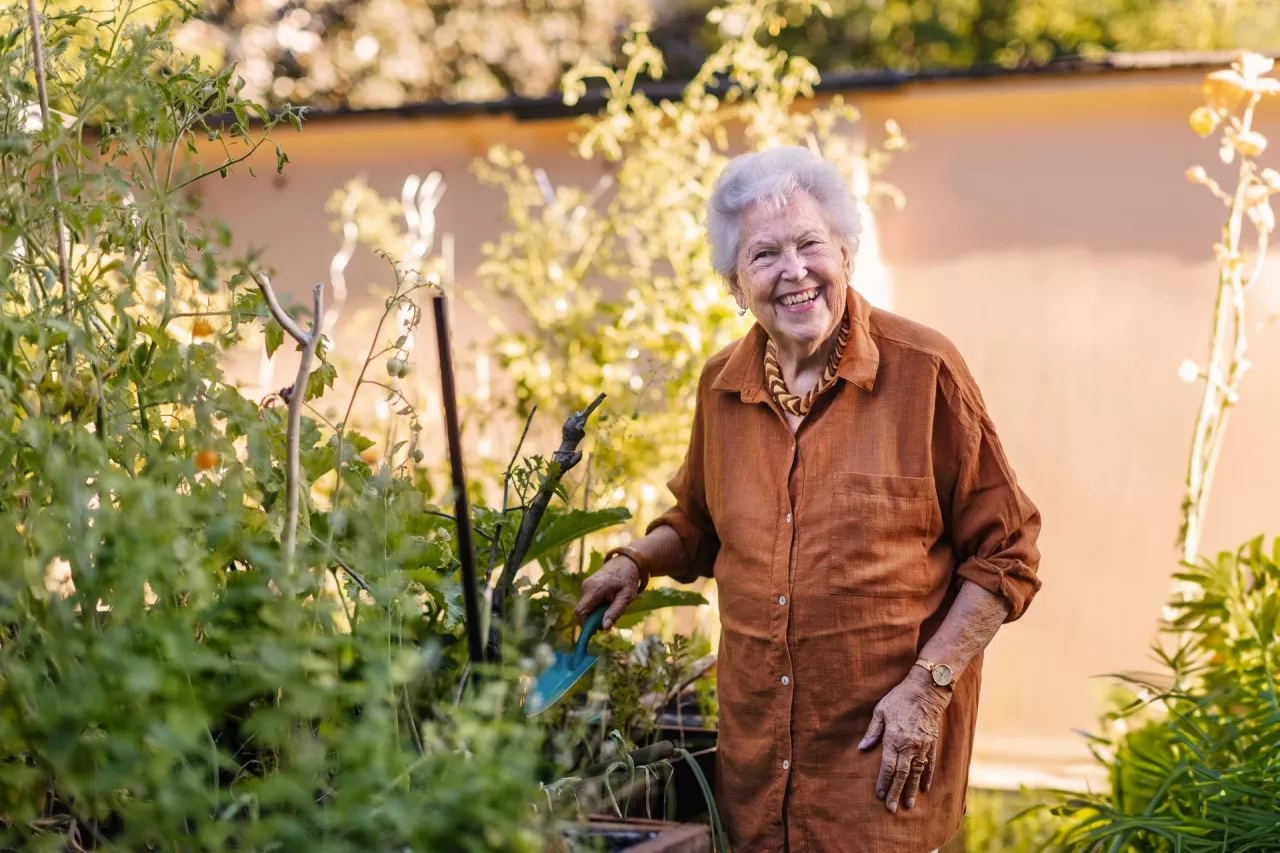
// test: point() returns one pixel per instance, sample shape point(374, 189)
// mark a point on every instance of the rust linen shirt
point(837, 552)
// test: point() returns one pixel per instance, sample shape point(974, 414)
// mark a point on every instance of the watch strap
point(930, 666)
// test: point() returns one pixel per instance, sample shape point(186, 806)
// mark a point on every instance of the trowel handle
point(593, 623)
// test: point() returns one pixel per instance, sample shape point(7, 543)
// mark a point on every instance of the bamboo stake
point(462, 509)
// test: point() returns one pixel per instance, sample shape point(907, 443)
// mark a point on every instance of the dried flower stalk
point(1232, 97)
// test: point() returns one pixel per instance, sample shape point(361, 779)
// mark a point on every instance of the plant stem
point(42, 89)
point(586, 507)
point(296, 395)
point(506, 484)
point(344, 424)
point(564, 459)
point(354, 575)
point(413, 722)
point(1224, 369)
point(496, 541)
point(454, 519)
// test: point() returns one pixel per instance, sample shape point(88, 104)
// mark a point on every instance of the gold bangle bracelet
point(634, 556)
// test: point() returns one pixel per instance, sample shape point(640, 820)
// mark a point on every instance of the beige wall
point(1050, 233)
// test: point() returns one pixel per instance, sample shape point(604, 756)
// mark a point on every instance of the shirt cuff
point(692, 559)
point(1011, 580)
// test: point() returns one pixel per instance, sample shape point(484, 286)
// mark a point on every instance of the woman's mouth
point(802, 300)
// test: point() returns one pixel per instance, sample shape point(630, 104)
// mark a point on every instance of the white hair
point(773, 176)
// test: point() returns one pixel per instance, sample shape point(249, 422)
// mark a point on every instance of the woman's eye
point(762, 254)
point(808, 244)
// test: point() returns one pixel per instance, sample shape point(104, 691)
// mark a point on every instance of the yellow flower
point(1204, 121)
point(1252, 65)
point(1250, 143)
point(1224, 89)
point(1197, 175)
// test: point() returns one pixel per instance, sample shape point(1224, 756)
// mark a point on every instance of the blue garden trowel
point(565, 670)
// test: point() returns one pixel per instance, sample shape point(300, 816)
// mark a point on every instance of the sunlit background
point(1036, 213)
point(1021, 171)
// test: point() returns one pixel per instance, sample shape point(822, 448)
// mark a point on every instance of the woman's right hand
point(617, 582)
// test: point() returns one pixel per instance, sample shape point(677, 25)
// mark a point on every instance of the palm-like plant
point(1194, 763)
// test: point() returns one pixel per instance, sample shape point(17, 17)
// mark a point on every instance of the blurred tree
point(383, 53)
point(917, 35)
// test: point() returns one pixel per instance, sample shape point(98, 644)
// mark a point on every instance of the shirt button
point(782, 599)
point(785, 681)
point(786, 764)
point(788, 518)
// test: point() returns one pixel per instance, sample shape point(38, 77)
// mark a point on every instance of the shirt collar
point(744, 371)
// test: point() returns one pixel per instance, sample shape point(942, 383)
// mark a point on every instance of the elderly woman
point(845, 487)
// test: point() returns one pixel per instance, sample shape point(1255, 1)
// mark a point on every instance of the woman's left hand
point(907, 720)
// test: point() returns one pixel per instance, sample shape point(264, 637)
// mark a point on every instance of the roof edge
point(834, 82)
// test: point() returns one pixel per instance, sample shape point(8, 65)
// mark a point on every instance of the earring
point(742, 312)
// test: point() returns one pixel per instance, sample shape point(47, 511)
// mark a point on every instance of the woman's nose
point(793, 266)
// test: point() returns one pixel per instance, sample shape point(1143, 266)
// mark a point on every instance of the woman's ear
point(731, 282)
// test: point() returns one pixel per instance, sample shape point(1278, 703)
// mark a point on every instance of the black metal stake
point(462, 511)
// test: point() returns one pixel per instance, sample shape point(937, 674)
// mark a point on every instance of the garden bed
point(674, 793)
point(637, 836)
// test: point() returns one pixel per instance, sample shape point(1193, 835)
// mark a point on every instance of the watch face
point(941, 675)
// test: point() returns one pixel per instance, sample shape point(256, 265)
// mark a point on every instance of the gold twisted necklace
point(789, 402)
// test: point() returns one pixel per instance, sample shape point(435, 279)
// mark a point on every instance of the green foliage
point(168, 679)
point(390, 53)
point(1007, 822)
point(1193, 761)
point(330, 53)
point(635, 676)
point(643, 675)
point(911, 36)
point(616, 281)
point(570, 527)
point(656, 599)
point(166, 682)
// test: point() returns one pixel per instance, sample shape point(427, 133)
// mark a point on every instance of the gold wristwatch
point(942, 674)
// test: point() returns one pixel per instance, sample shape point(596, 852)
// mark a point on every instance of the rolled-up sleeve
point(992, 523)
point(689, 516)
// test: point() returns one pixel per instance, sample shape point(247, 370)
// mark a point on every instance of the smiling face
point(791, 273)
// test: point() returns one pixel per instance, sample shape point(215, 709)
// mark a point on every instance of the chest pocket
point(877, 540)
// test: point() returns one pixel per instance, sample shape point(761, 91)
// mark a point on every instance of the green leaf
point(656, 599)
point(356, 440)
point(275, 337)
point(321, 378)
point(281, 159)
point(565, 528)
point(448, 594)
point(320, 460)
point(248, 305)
